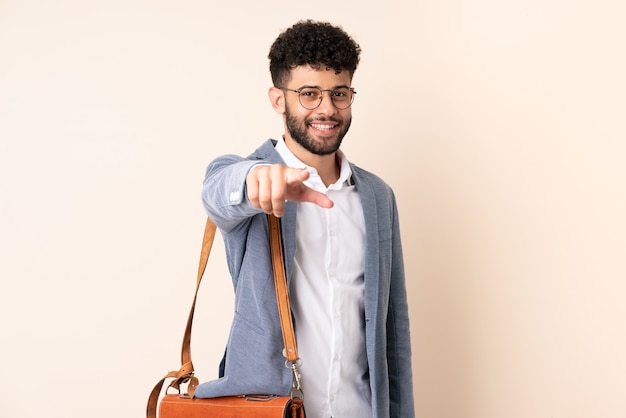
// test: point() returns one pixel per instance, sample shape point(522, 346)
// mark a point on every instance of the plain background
point(500, 125)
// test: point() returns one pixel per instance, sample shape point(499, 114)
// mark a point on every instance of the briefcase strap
point(185, 373)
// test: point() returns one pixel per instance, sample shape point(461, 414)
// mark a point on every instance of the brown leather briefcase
point(185, 405)
point(173, 406)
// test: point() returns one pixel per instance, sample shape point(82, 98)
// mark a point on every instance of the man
point(341, 235)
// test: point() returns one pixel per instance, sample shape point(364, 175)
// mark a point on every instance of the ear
point(277, 99)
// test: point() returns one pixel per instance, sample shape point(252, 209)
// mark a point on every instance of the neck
point(329, 169)
point(328, 166)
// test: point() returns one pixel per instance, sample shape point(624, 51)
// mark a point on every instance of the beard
point(298, 131)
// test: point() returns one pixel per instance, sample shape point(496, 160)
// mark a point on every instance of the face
point(321, 130)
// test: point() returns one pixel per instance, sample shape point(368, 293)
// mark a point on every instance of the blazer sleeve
point(398, 335)
point(224, 191)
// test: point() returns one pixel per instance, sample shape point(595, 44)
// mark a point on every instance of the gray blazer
point(253, 362)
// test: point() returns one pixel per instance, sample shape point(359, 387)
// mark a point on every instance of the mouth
point(323, 128)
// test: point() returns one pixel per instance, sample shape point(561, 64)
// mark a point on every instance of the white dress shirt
point(327, 297)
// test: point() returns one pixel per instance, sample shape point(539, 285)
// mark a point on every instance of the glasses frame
point(330, 91)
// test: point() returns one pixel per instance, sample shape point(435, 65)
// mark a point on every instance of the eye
point(309, 93)
point(340, 94)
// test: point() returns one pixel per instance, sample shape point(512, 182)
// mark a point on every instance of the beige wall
point(500, 124)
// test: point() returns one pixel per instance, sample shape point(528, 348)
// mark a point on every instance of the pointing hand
point(269, 186)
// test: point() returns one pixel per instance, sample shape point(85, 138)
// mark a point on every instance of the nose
point(326, 106)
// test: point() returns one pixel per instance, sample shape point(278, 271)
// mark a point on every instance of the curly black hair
point(312, 43)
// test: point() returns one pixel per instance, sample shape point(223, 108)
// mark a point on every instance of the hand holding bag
point(185, 405)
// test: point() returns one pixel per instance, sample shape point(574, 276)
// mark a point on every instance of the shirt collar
point(345, 172)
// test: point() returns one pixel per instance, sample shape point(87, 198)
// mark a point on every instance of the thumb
point(297, 175)
point(299, 192)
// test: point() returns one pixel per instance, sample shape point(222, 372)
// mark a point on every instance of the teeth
point(322, 127)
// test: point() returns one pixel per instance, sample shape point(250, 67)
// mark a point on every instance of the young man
point(343, 254)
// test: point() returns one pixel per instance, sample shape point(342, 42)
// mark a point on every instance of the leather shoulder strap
point(282, 295)
point(185, 373)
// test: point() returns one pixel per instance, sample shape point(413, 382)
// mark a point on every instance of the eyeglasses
point(311, 97)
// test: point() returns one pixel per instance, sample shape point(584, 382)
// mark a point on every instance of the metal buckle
point(296, 389)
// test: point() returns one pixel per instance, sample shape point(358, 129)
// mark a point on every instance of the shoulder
point(267, 151)
point(364, 178)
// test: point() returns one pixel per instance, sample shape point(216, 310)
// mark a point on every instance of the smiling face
point(318, 131)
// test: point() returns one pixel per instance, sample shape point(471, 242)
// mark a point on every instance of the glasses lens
point(310, 97)
point(342, 97)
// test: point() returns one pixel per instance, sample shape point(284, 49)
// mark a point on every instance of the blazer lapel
point(372, 249)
